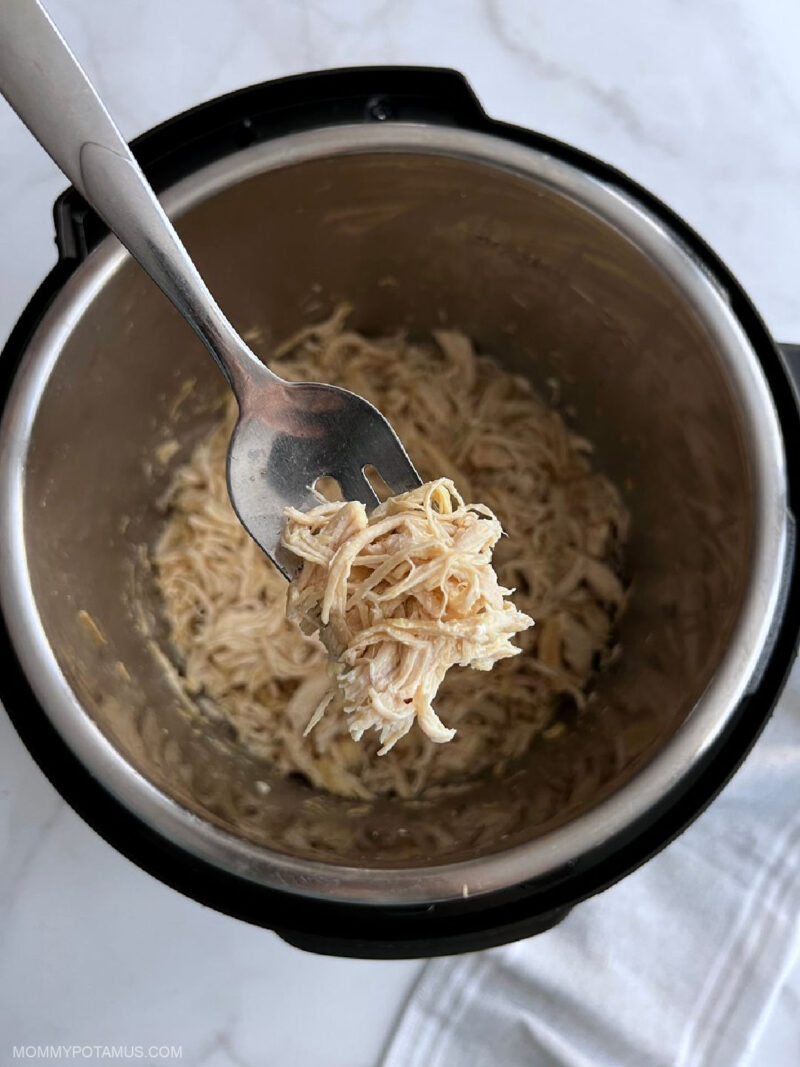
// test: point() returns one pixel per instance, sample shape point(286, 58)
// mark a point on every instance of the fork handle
point(46, 86)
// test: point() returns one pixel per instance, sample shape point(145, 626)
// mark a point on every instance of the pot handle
point(258, 113)
point(791, 358)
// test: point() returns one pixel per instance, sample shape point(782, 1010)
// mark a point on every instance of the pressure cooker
point(391, 189)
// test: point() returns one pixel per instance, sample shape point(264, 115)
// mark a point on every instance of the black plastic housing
point(176, 149)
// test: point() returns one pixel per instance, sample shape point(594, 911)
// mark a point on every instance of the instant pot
point(391, 189)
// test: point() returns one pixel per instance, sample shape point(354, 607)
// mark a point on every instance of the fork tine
point(356, 487)
point(396, 468)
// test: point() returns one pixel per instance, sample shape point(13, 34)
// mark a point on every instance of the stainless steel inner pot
point(557, 274)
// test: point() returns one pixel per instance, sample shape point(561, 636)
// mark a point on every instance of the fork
point(288, 434)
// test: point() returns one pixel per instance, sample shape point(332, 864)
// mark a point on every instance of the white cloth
point(677, 965)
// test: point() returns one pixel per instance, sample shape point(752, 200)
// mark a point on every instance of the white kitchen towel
point(677, 966)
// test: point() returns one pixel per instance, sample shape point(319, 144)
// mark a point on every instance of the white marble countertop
point(701, 102)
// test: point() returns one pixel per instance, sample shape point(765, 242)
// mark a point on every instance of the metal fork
point(288, 434)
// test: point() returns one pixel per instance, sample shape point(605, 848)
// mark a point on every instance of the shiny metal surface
point(288, 434)
point(560, 276)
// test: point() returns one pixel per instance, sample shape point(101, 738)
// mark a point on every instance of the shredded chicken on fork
point(399, 597)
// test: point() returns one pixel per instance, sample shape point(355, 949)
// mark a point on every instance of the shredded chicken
point(400, 597)
point(461, 416)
